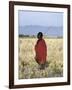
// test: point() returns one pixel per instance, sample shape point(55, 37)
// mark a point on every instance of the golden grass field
point(28, 68)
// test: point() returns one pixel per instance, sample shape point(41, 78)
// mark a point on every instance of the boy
point(41, 51)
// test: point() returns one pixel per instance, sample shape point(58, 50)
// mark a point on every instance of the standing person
point(41, 51)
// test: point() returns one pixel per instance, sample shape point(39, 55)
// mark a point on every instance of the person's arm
point(45, 48)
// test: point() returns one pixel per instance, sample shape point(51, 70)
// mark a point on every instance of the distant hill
point(47, 31)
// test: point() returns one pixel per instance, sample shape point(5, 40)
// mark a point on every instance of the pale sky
point(40, 18)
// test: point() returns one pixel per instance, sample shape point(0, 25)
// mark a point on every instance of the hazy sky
point(40, 18)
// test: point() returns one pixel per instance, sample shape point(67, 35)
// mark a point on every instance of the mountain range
point(51, 31)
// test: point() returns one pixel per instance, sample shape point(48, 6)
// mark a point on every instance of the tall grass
point(28, 68)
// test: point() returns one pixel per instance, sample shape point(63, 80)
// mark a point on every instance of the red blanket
point(41, 51)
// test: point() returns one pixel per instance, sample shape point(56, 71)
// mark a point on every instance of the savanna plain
point(28, 67)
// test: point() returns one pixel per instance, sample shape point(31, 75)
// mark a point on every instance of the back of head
point(40, 35)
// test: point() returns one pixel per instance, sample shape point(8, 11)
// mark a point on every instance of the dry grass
point(28, 68)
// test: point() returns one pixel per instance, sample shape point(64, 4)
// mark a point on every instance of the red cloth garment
point(41, 51)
